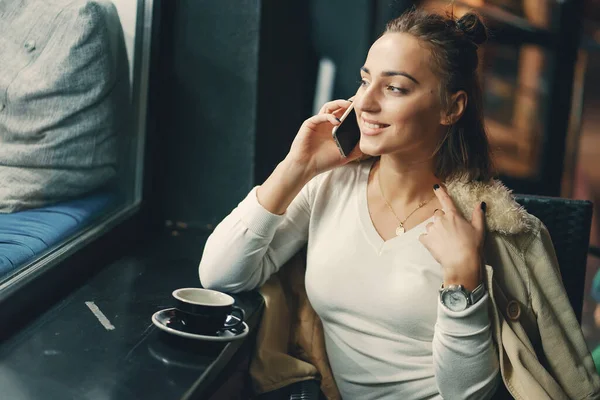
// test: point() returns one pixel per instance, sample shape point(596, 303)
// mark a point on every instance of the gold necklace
point(400, 229)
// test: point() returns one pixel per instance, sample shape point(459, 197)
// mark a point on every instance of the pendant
point(399, 230)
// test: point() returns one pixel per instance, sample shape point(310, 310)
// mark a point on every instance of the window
point(73, 130)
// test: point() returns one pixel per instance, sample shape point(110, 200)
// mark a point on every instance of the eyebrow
point(392, 73)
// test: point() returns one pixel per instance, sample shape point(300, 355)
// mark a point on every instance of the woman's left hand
point(456, 243)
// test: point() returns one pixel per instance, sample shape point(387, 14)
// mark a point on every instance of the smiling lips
point(371, 127)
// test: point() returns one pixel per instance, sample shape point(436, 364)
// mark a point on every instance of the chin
point(370, 150)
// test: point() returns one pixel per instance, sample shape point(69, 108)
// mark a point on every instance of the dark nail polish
point(483, 206)
point(436, 186)
point(349, 100)
point(339, 120)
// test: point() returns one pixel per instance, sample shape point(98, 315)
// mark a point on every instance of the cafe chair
point(568, 221)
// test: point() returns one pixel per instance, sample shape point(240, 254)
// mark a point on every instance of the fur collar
point(504, 215)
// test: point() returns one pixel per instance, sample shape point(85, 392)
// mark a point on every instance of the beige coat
point(540, 345)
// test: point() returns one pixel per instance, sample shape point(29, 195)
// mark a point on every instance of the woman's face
point(398, 104)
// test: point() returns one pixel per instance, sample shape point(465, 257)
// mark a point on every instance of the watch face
point(455, 300)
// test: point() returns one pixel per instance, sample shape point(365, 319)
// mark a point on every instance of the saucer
point(168, 322)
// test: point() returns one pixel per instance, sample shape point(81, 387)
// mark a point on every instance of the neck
point(406, 184)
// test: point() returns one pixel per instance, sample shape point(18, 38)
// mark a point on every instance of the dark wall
point(287, 73)
point(209, 59)
point(237, 81)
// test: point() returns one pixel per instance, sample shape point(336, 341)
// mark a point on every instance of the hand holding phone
point(313, 151)
point(347, 134)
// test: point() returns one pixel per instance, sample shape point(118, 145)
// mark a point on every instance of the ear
point(458, 105)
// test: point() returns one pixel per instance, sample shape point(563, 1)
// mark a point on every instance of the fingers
point(335, 107)
point(339, 112)
point(478, 218)
point(424, 239)
point(428, 227)
point(318, 119)
point(444, 199)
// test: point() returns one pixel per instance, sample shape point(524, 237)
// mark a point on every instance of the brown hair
point(464, 152)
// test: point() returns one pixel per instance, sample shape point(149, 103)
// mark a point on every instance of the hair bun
point(473, 28)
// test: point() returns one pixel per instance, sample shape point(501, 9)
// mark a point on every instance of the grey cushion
point(64, 99)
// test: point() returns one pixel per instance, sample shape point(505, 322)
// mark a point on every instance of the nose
point(366, 100)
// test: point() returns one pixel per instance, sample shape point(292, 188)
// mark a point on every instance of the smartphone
point(347, 134)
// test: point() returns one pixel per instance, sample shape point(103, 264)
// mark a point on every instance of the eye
point(362, 82)
point(395, 89)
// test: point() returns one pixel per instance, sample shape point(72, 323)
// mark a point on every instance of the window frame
point(62, 268)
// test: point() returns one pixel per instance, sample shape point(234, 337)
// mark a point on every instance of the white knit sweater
point(387, 335)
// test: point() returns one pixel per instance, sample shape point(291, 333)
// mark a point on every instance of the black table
point(67, 353)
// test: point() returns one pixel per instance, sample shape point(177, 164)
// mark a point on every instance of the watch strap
point(476, 294)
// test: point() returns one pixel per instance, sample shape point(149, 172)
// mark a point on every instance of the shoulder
point(71, 23)
point(91, 17)
point(88, 10)
point(521, 242)
point(528, 254)
point(341, 177)
point(504, 214)
point(86, 36)
point(66, 28)
point(508, 223)
point(82, 6)
point(338, 183)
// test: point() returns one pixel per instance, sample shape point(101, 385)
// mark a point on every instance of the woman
point(384, 234)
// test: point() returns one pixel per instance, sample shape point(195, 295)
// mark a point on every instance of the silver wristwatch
point(457, 298)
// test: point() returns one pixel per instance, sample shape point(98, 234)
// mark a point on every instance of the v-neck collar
point(371, 233)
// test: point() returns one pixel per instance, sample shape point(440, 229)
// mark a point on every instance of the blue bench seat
point(27, 234)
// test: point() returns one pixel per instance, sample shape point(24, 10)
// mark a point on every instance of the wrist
point(296, 172)
point(469, 283)
point(468, 274)
point(281, 187)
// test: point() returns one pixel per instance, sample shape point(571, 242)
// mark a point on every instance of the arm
point(271, 224)
point(464, 358)
point(254, 240)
